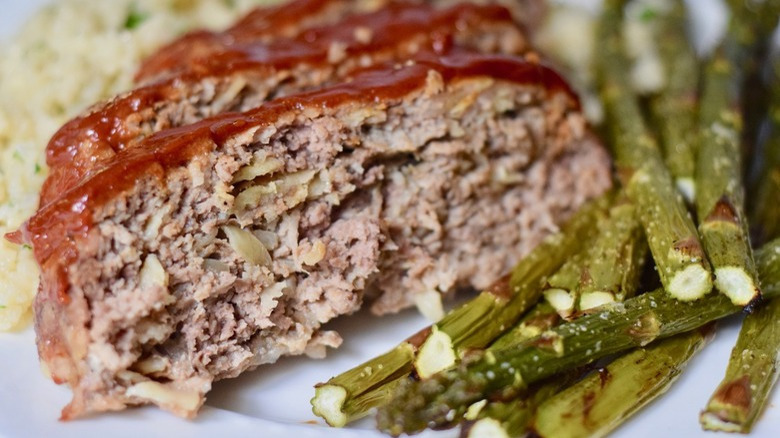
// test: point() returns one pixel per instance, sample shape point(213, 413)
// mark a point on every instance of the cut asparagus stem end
point(429, 305)
point(691, 283)
point(687, 188)
point(736, 284)
point(561, 300)
point(487, 428)
point(435, 354)
point(591, 300)
point(328, 402)
point(711, 421)
point(473, 411)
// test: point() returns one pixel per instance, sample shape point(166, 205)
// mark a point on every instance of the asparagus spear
point(511, 419)
point(674, 107)
point(611, 268)
point(766, 208)
point(750, 376)
point(560, 289)
point(596, 405)
point(542, 317)
point(614, 262)
point(756, 20)
point(753, 366)
point(671, 233)
point(442, 399)
point(606, 271)
point(352, 394)
point(720, 193)
point(461, 332)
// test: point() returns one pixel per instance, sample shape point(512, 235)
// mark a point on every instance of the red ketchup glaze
point(104, 129)
point(55, 229)
point(269, 22)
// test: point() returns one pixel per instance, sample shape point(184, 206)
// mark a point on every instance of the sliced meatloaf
point(290, 19)
point(263, 24)
point(242, 76)
point(212, 248)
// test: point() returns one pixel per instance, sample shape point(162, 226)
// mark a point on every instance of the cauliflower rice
point(88, 52)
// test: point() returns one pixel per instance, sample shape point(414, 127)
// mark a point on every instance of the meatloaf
point(237, 76)
point(293, 19)
point(212, 248)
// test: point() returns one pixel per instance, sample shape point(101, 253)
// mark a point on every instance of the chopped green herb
point(135, 17)
point(58, 108)
point(26, 246)
point(648, 15)
point(2, 306)
point(17, 156)
point(37, 168)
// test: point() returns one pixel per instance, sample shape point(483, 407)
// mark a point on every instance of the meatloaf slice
point(242, 76)
point(213, 248)
point(290, 19)
point(262, 24)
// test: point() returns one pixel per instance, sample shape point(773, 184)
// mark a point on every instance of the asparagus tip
point(328, 402)
point(736, 284)
point(473, 411)
point(691, 283)
point(436, 354)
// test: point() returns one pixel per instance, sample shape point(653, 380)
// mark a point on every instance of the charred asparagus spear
point(443, 399)
point(511, 419)
point(614, 262)
point(674, 107)
point(614, 393)
point(352, 394)
point(757, 19)
point(560, 288)
point(610, 272)
point(541, 318)
point(751, 373)
point(671, 233)
point(753, 366)
point(513, 416)
point(766, 208)
point(719, 189)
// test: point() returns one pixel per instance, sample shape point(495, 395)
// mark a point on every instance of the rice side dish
point(89, 52)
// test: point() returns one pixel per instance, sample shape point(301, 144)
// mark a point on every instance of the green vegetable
point(671, 233)
point(442, 400)
point(476, 324)
point(596, 405)
point(719, 190)
point(752, 372)
point(753, 366)
point(614, 262)
point(765, 215)
point(674, 108)
point(135, 17)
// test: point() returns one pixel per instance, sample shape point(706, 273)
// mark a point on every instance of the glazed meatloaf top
point(291, 19)
point(247, 72)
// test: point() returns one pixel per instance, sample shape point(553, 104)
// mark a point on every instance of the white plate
point(274, 400)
